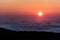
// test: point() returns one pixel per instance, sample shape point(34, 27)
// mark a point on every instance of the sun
point(40, 13)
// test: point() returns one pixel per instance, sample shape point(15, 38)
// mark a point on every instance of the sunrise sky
point(30, 6)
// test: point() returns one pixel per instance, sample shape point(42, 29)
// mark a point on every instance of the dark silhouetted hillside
point(7, 33)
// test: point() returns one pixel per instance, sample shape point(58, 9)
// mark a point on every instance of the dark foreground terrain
point(6, 32)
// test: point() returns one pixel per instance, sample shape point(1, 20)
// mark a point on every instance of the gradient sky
point(33, 6)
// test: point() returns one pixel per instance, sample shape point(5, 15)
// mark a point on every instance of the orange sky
point(33, 6)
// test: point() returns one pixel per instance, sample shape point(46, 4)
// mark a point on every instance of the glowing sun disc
point(40, 13)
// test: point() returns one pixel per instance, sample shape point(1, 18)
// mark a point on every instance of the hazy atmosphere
point(30, 15)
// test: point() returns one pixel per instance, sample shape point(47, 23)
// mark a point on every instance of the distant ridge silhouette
point(10, 31)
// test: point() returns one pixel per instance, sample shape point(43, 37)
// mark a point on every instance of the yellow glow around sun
point(40, 13)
